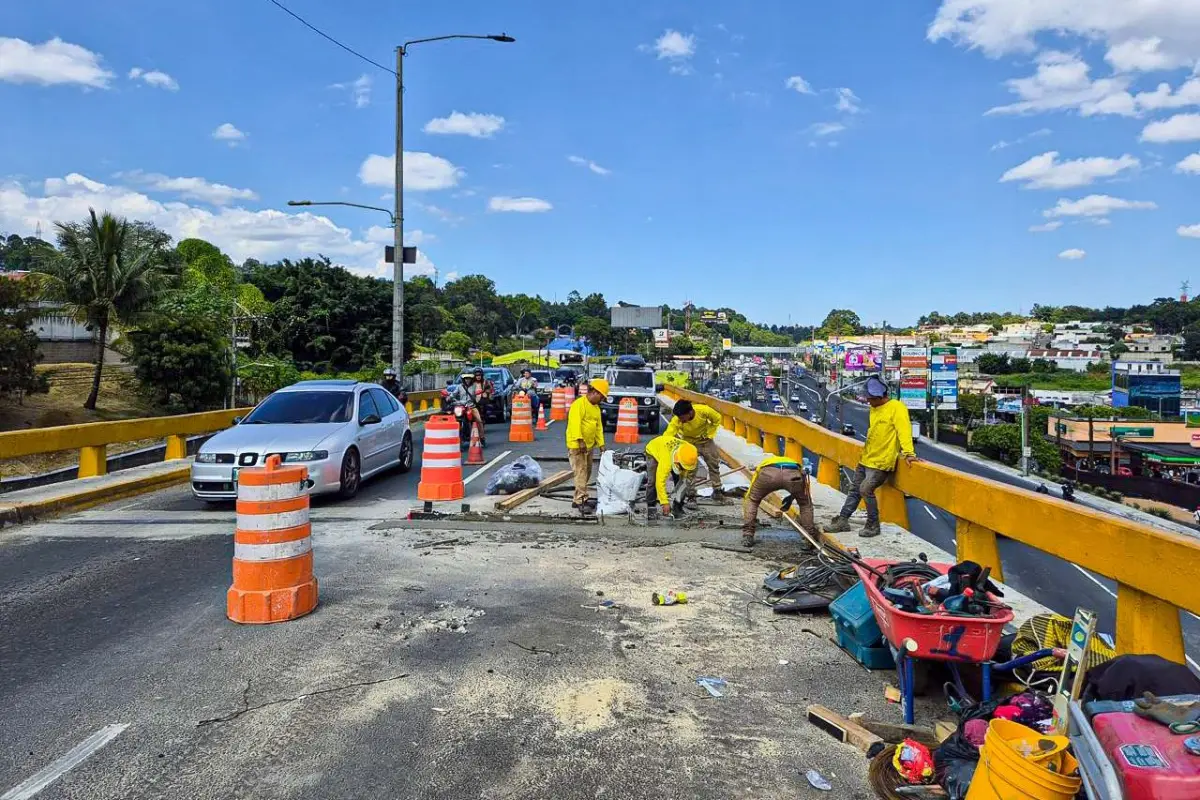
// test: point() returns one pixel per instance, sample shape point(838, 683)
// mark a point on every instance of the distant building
point(1148, 384)
point(1144, 347)
point(1073, 360)
point(63, 339)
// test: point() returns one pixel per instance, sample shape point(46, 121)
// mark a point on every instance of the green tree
point(1042, 366)
point(1021, 366)
point(840, 322)
point(18, 344)
point(266, 374)
point(107, 271)
point(993, 364)
point(18, 254)
point(455, 342)
point(970, 407)
point(1191, 344)
point(523, 307)
point(181, 363)
point(596, 330)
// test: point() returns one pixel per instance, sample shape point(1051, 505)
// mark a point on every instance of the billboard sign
point(854, 361)
point(718, 317)
point(662, 337)
point(727, 344)
point(637, 316)
point(914, 377)
point(943, 373)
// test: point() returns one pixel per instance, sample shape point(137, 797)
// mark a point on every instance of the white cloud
point(1188, 94)
point(1062, 82)
point(1189, 231)
point(1141, 55)
point(1001, 27)
point(592, 165)
point(847, 101)
point(51, 63)
point(1002, 144)
point(1046, 227)
point(383, 234)
point(477, 126)
point(452, 275)
point(826, 128)
point(524, 205)
point(675, 45)
point(267, 234)
point(1179, 128)
point(359, 88)
point(226, 132)
point(798, 84)
point(1074, 254)
point(1095, 205)
point(159, 80)
point(1190, 165)
point(422, 171)
point(189, 188)
point(1047, 172)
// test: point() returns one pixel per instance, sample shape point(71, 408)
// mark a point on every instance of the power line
point(322, 33)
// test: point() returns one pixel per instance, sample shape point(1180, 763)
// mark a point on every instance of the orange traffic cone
point(542, 417)
point(441, 461)
point(627, 422)
point(521, 429)
point(559, 403)
point(475, 451)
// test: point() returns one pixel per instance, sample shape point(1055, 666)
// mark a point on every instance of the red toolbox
point(1150, 761)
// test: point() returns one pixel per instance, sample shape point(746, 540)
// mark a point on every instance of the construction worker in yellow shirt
point(667, 456)
point(585, 433)
point(774, 474)
point(697, 424)
point(889, 436)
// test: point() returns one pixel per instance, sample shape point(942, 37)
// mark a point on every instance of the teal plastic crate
point(858, 632)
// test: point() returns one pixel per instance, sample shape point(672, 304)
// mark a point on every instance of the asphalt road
point(1052, 581)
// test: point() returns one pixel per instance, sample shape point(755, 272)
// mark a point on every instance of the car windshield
point(629, 377)
point(493, 375)
point(542, 375)
point(296, 408)
point(565, 374)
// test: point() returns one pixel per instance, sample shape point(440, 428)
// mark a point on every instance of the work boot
point(870, 530)
point(719, 498)
point(838, 524)
point(747, 540)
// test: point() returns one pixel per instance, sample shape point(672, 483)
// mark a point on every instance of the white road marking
point(73, 758)
point(930, 513)
point(474, 475)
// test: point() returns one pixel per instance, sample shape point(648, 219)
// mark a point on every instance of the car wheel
point(351, 475)
point(406, 453)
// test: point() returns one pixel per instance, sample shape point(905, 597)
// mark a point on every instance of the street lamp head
point(504, 37)
point(299, 202)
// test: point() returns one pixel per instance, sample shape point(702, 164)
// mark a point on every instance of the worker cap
point(687, 456)
point(600, 385)
point(876, 387)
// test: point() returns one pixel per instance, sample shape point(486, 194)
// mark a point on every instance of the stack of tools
point(963, 590)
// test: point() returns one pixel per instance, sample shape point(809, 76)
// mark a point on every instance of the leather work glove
point(787, 503)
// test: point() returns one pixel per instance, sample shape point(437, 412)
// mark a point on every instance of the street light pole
point(398, 225)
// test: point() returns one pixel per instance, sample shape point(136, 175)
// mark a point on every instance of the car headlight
point(649, 401)
point(206, 458)
point(307, 455)
point(609, 399)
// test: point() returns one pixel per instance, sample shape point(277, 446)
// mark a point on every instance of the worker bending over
point(667, 456)
point(774, 474)
point(697, 424)
point(585, 433)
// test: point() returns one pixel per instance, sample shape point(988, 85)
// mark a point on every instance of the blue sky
point(780, 157)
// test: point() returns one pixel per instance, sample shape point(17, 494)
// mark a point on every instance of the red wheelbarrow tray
point(939, 636)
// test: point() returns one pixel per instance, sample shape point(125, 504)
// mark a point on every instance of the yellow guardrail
point(91, 439)
point(1155, 570)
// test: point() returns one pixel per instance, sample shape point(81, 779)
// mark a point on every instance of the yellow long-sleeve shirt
point(662, 449)
point(888, 437)
point(703, 427)
point(584, 425)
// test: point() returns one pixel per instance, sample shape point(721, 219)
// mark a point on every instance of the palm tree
point(106, 271)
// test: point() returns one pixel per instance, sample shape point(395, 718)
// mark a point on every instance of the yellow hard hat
point(599, 384)
point(687, 456)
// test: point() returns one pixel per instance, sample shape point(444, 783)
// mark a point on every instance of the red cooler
point(1151, 763)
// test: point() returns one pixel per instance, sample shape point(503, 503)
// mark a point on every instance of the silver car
point(342, 430)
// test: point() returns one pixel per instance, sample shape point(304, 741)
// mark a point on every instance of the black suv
point(499, 407)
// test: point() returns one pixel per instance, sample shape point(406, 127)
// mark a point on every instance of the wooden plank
point(895, 734)
point(843, 728)
point(512, 501)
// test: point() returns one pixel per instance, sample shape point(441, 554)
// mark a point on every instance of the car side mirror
point(370, 419)
point(238, 420)
point(659, 387)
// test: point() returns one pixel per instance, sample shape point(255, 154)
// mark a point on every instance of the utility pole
point(1024, 436)
point(937, 399)
point(233, 356)
point(398, 226)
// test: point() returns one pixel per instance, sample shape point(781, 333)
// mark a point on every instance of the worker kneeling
point(778, 473)
point(697, 424)
point(667, 457)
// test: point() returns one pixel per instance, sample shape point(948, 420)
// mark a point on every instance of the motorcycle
point(462, 415)
point(1068, 492)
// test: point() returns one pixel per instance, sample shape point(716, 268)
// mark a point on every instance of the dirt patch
point(591, 706)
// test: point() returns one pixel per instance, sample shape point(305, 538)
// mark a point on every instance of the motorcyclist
point(466, 394)
point(529, 385)
point(394, 386)
point(485, 390)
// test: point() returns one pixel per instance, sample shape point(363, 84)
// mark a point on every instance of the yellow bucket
point(1006, 773)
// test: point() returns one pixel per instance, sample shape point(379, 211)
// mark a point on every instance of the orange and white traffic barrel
point(441, 461)
point(521, 427)
point(272, 546)
point(559, 403)
point(627, 422)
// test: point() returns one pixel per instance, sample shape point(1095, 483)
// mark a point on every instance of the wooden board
point(895, 734)
point(512, 501)
point(842, 728)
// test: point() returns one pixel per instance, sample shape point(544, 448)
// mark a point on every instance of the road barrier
point(627, 422)
point(441, 461)
point(1154, 569)
point(559, 403)
point(521, 427)
point(424, 401)
point(91, 439)
point(272, 546)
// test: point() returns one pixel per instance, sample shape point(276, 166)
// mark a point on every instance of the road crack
point(247, 708)
point(537, 651)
